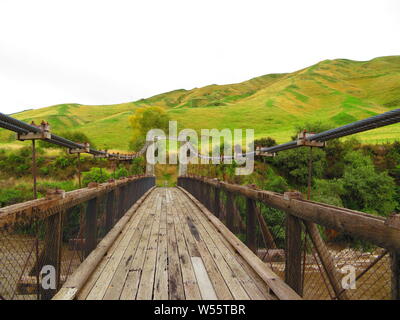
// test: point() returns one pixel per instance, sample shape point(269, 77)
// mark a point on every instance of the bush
point(121, 172)
point(95, 175)
point(293, 164)
point(365, 188)
point(137, 166)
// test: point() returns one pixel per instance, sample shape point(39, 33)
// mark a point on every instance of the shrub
point(95, 175)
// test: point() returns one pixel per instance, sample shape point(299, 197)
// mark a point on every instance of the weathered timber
point(277, 285)
point(355, 223)
point(29, 211)
point(293, 275)
point(74, 283)
point(91, 226)
point(325, 256)
point(229, 211)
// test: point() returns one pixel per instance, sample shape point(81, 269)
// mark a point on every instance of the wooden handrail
point(359, 224)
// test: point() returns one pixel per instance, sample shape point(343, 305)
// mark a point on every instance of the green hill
point(338, 91)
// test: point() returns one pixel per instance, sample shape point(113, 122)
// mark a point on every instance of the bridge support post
point(110, 210)
point(251, 240)
point(216, 202)
point(293, 261)
point(395, 266)
point(51, 255)
point(91, 226)
point(229, 211)
point(121, 202)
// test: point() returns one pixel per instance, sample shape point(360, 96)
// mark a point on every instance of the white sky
point(104, 52)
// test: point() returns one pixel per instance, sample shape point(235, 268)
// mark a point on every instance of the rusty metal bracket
point(264, 154)
point(43, 134)
point(102, 156)
point(85, 149)
point(303, 140)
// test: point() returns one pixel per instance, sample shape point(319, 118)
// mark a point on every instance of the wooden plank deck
point(170, 250)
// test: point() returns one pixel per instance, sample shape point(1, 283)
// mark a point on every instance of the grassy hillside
point(338, 91)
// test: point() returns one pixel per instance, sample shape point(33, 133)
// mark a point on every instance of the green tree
point(366, 189)
point(145, 119)
point(95, 175)
point(293, 164)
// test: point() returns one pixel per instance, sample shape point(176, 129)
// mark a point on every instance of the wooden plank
point(145, 291)
point(175, 280)
point(220, 287)
point(101, 286)
point(277, 285)
point(78, 279)
point(82, 295)
point(161, 278)
point(114, 289)
point(237, 269)
point(132, 281)
point(190, 285)
point(204, 282)
point(226, 270)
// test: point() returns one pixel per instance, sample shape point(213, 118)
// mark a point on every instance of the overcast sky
point(104, 52)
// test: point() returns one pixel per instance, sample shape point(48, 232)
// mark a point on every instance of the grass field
point(335, 91)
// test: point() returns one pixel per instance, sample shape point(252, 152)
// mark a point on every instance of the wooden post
point(293, 249)
point(79, 170)
point(110, 210)
point(395, 268)
point(91, 226)
point(34, 169)
point(216, 202)
point(229, 211)
point(52, 251)
point(121, 206)
point(251, 234)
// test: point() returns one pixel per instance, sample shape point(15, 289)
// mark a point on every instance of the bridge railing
point(321, 251)
point(43, 241)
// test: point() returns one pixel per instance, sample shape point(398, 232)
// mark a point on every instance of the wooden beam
point(43, 208)
point(369, 227)
point(328, 264)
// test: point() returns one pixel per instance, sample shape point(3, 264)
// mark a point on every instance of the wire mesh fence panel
point(273, 251)
point(317, 262)
point(364, 269)
point(40, 250)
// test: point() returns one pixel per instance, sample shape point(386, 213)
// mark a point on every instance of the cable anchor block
point(42, 134)
point(303, 139)
point(85, 149)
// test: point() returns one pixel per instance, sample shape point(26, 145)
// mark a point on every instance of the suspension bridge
point(203, 239)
